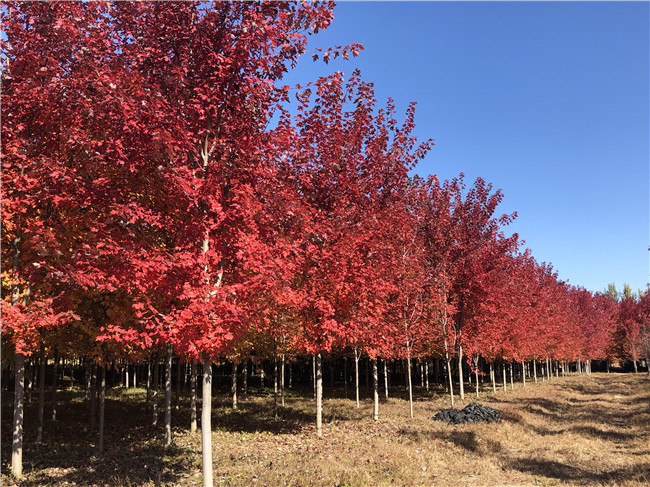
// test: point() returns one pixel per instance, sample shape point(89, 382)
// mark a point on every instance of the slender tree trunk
point(408, 372)
point(319, 396)
point(19, 408)
point(206, 425)
point(493, 378)
point(451, 382)
point(154, 394)
point(523, 372)
point(102, 402)
point(275, 384)
point(54, 377)
point(476, 374)
point(149, 380)
point(505, 382)
point(356, 374)
point(313, 366)
point(461, 387)
point(233, 385)
point(375, 387)
point(282, 376)
point(168, 396)
point(41, 395)
point(426, 374)
point(87, 375)
point(535, 369)
point(345, 376)
point(512, 380)
point(192, 396)
point(386, 379)
point(244, 378)
point(179, 380)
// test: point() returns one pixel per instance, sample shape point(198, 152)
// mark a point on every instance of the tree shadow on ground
point(575, 475)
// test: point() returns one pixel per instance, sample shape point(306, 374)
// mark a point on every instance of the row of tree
point(158, 195)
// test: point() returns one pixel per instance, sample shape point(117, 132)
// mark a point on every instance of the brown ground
point(577, 430)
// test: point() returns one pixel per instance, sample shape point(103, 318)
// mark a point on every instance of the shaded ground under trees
point(578, 430)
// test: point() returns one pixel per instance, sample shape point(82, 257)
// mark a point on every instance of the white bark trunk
point(386, 379)
point(19, 408)
point(319, 396)
point(206, 425)
point(375, 387)
point(410, 383)
point(461, 387)
point(356, 374)
point(41, 395)
point(193, 396)
point(168, 397)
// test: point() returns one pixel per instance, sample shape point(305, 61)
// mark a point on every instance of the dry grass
point(570, 431)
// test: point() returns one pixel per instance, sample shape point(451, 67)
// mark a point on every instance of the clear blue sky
point(548, 101)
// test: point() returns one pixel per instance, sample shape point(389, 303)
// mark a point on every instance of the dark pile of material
point(472, 413)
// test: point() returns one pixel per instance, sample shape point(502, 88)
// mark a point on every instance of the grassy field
point(579, 430)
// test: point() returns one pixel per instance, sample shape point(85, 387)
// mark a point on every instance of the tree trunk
point(505, 382)
point(426, 374)
point(408, 373)
point(244, 378)
point(523, 372)
point(461, 387)
point(87, 378)
point(154, 394)
point(345, 376)
point(451, 382)
point(476, 374)
point(356, 373)
point(233, 385)
point(386, 379)
point(493, 378)
point(41, 395)
point(535, 369)
point(19, 409)
point(313, 366)
point(54, 377)
point(192, 396)
point(102, 402)
point(319, 395)
point(149, 380)
point(168, 396)
point(206, 424)
point(179, 380)
point(512, 380)
point(375, 387)
point(282, 376)
point(275, 382)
